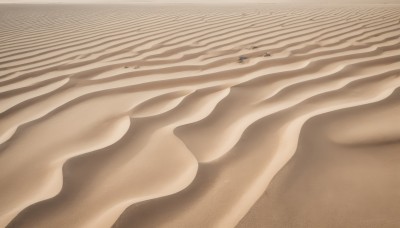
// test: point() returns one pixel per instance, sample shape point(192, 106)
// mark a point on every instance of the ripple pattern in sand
point(143, 115)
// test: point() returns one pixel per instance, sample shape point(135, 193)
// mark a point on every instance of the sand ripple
point(142, 115)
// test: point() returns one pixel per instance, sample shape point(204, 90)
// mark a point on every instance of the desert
point(182, 115)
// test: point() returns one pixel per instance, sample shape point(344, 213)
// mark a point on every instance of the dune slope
point(147, 116)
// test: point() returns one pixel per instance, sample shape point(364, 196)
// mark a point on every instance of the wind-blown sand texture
point(142, 116)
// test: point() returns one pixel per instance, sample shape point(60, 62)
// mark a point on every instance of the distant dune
point(181, 115)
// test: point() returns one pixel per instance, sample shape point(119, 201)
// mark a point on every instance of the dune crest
point(182, 115)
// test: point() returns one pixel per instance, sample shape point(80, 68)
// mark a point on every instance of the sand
point(142, 115)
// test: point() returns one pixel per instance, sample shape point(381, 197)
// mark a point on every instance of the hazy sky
point(194, 1)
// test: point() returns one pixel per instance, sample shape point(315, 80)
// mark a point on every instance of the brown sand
point(141, 115)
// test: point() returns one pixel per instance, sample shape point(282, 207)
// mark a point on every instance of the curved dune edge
point(286, 151)
point(143, 116)
point(336, 166)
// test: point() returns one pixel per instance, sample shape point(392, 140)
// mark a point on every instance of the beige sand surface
point(141, 115)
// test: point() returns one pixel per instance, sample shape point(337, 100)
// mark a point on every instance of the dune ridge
point(143, 116)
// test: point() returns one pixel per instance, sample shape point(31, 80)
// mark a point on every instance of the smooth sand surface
point(142, 116)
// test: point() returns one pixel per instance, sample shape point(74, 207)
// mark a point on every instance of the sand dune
point(143, 116)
